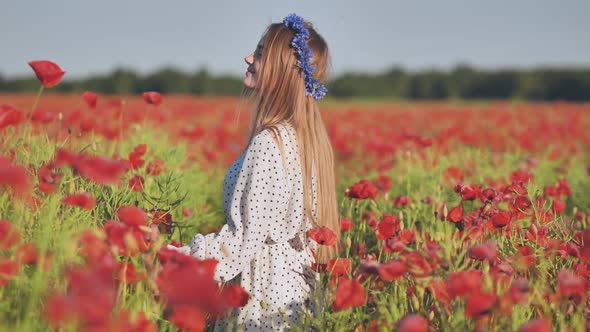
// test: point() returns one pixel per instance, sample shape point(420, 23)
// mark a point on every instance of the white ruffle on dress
point(264, 245)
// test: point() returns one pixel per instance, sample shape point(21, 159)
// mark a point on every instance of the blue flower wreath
point(312, 86)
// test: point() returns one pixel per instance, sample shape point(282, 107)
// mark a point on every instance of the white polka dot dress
point(263, 246)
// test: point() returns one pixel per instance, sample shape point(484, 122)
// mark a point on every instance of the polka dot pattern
point(263, 246)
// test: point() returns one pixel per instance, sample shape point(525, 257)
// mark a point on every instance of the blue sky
point(87, 38)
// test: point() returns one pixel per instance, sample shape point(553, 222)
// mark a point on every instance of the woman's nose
point(249, 59)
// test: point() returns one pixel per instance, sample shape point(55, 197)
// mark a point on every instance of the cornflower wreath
point(312, 86)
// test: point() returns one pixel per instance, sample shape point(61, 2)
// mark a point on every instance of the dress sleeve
point(258, 207)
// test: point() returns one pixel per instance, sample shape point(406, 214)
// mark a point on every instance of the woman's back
point(263, 246)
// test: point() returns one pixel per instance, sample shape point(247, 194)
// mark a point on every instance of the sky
point(87, 38)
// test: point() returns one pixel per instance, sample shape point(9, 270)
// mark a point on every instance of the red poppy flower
point(438, 288)
point(135, 156)
point(516, 189)
point(132, 216)
point(585, 248)
point(322, 235)
point(524, 258)
point(48, 179)
point(176, 243)
point(453, 173)
point(235, 296)
point(9, 235)
point(128, 240)
point(87, 125)
point(345, 225)
point(358, 249)
point(27, 253)
point(394, 244)
point(500, 219)
point(152, 97)
point(558, 206)
point(84, 200)
point(140, 149)
point(550, 191)
point(418, 265)
point(521, 176)
point(571, 285)
point(543, 216)
point(583, 270)
point(188, 318)
point(468, 192)
point(537, 234)
point(339, 266)
point(136, 183)
point(388, 226)
point(8, 270)
point(128, 273)
point(423, 141)
point(370, 217)
point(94, 249)
point(391, 270)
point(406, 236)
point(399, 242)
point(65, 157)
point(518, 291)
point(90, 297)
point(456, 214)
point(412, 323)
point(473, 233)
point(101, 170)
point(161, 217)
point(121, 321)
point(155, 167)
point(486, 251)
point(401, 201)
point(15, 177)
point(363, 189)
point(479, 303)
point(189, 281)
point(187, 212)
point(383, 183)
point(463, 283)
point(90, 98)
point(349, 293)
point(522, 203)
point(490, 195)
point(43, 116)
point(536, 325)
point(563, 187)
point(10, 116)
point(49, 73)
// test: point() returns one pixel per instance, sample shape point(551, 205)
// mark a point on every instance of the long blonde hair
point(279, 96)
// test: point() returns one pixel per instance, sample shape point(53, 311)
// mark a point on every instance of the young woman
point(281, 186)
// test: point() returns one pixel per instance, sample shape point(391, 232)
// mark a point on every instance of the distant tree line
point(463, 82)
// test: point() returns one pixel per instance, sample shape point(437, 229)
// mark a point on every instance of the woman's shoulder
point(263, 146)
point(267, 147)
point(270, 136)
point(264, 138)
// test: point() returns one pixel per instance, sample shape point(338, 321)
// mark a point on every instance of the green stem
point(30, 115)
point(93, 140)
point(28, 128)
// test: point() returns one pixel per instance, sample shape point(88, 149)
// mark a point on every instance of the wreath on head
point(304, 54)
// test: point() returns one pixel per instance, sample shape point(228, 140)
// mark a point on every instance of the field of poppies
point(454, 216)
